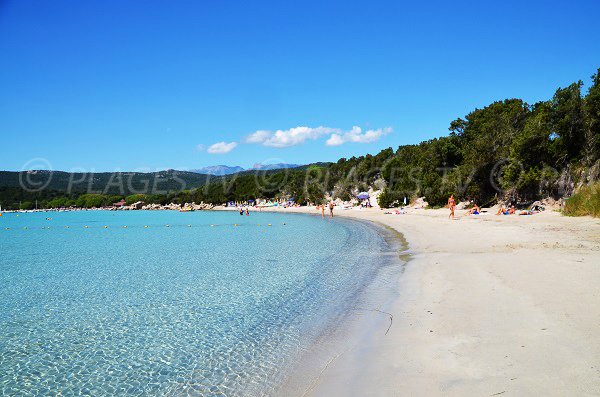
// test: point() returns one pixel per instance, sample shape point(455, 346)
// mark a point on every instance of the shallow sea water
point(199, 307)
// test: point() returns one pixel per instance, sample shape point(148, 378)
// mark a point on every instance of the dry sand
point(489, 305)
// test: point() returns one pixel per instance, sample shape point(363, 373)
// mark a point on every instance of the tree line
point(507, 150)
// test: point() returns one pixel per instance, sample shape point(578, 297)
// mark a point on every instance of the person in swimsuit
point(331, 205)
point(475, 210)
point(451, 205)
point(322, 210)
point(504, 211)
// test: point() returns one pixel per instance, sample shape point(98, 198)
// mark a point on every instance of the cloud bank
point(299, 135)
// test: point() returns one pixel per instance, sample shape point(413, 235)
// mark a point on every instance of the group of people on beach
point(476, 210)
point(321, 207)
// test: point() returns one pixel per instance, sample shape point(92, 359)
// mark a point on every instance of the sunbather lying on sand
point(504, 211)
point(529, 212)
point(396, 212)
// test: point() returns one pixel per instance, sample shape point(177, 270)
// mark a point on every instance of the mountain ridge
point(220, 170)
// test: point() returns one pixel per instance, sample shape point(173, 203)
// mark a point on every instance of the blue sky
point(118, 85)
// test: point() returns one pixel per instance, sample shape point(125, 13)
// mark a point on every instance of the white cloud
point(259, 136)
point(356, 135)
point(335, 140)
point(291, 137)
point(221, 147)
point(299, 135)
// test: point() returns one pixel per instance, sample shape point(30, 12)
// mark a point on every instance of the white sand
point(489, 305)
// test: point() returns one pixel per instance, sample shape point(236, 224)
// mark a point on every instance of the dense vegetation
point(103, 182)
point(508, 149)
point(585, 202)
point(58, 189)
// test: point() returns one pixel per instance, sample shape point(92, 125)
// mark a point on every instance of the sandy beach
point(488, 305)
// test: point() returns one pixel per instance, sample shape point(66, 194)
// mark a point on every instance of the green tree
point(134, 198)
point(26, 205)
point(568, 123)
point(486, 141)
point(592, 115)
point(57, 202)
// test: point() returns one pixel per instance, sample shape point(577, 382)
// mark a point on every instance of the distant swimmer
point(241, 211)
point(247, 211)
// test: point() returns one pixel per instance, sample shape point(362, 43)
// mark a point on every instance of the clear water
point(178, 310)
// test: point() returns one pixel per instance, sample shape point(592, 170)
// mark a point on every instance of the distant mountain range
point(227, 170)
point(218, 170)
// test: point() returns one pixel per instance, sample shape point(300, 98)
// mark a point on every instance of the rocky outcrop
point(137, 205)
point(152, 207)
point(140, 205)
point(463, 205)
point(420, 203)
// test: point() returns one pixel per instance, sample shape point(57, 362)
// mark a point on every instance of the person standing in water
point(451, 205)
point(331, 205)
point(322, 210)
point(247, 211)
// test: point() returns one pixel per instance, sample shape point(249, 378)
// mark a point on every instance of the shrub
point(585, 202)
point(388, 198)
point(26, 205)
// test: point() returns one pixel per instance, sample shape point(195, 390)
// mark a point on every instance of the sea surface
point(160, 303)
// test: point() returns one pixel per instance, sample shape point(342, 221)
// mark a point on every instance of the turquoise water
point(189, 309)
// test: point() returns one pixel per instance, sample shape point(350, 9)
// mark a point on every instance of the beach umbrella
point(363, 195)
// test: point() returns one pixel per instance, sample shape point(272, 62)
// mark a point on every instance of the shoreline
point(345, 331)
point(487, 305)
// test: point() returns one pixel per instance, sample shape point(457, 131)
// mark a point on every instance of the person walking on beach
point(451, 205)
point(331, 205)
